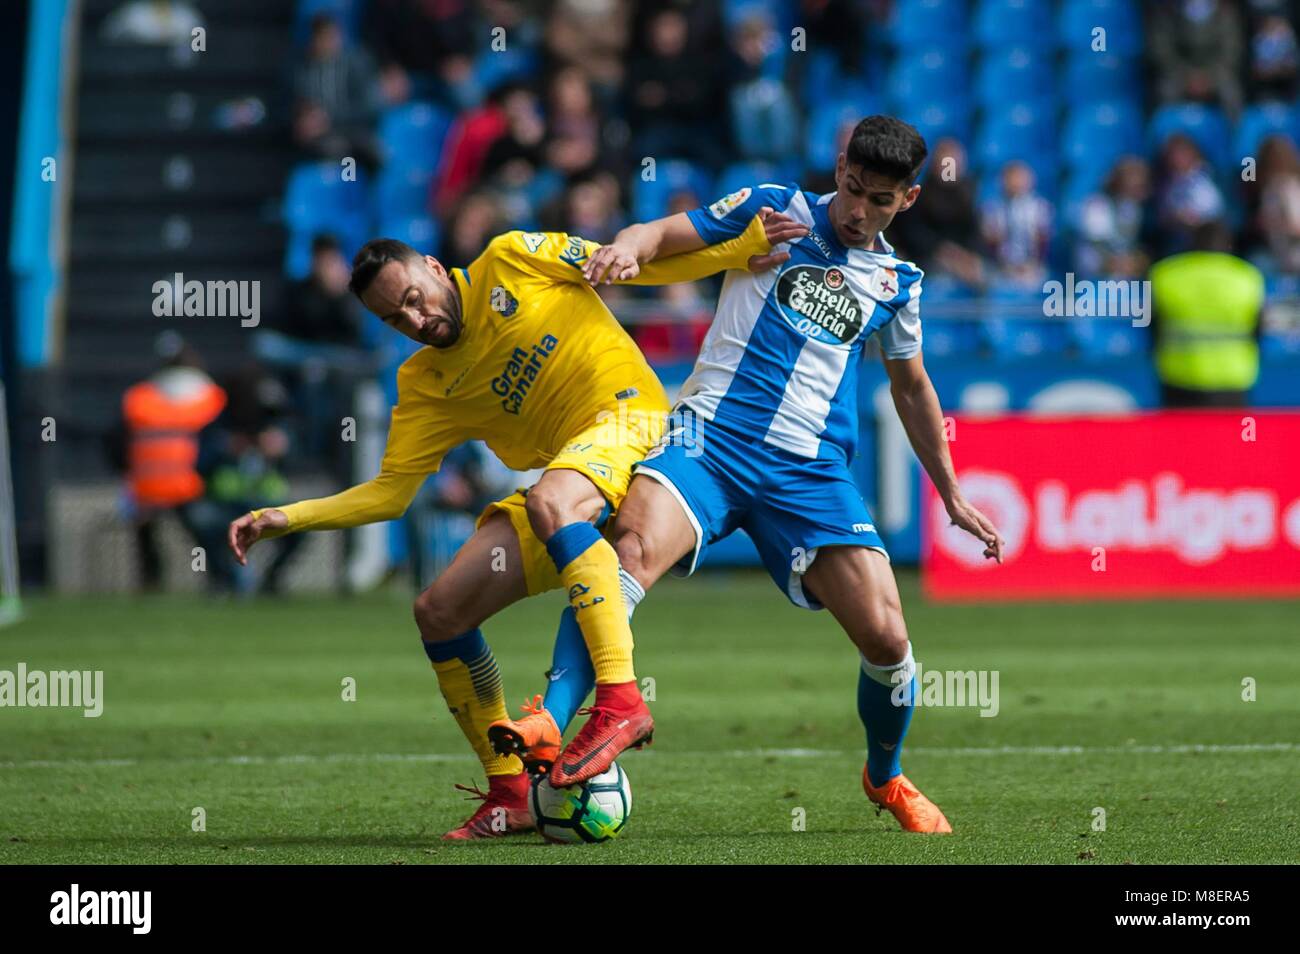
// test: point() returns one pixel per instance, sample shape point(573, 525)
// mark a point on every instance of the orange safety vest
point(164, 444)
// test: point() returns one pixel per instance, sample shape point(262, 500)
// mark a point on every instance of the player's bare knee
point(882, 636)
point(547, 511)
point(435, 616)
point(631, 550)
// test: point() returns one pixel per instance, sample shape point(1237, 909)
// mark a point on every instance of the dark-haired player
point(522, 354)
point(766, 426)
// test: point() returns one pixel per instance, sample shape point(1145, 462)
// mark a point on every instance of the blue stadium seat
point(317, 195)
point(1097, 134)
point(505, 66)
point(1121, 20)
point(741, 174)
point(735, 12)
point(1077, 185)
point(1024, 132)
point(413, 134)
point(1014, 73)
point(937, 120)
point(1206, 126)
point(929, 22)
point(1102, 339)
point(316, 200)
point(997, 21)
point(650, 198)
point(822, 134)
point(347, 12)
point(1260, 121)
point(952, 329)
point(420, 232)
point(401, 191)
point(1012, 339)
point(931, 74)
point(1090, 77)
point(1279, 344)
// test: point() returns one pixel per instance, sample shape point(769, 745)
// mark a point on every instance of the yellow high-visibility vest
point(1208, 305)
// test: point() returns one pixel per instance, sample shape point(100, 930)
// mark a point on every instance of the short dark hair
point(324, 242)
point(372, 257)
point(887, 146)
point(1212, 236)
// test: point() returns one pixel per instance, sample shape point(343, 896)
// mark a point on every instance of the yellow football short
point(604, 453)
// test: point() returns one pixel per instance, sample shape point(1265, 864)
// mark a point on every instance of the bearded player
point(766, 426)
point(521, 353)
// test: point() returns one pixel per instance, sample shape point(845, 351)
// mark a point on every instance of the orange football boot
point(536, 738)
point(504, 810)
point(905, 802)
point(601, 740)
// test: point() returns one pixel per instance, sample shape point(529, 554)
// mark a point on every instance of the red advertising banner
point(1168, 503)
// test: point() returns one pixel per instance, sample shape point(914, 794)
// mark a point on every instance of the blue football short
point(789, 505)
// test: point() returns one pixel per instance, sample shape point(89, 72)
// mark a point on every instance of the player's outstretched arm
point(919, 410)
point(639, 244)
point(386, 497)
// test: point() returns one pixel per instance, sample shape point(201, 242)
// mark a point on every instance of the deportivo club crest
point(819, 303)
point(500, 300)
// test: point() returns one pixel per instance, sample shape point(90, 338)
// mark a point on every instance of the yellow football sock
point(588, 567)
point(471, 684)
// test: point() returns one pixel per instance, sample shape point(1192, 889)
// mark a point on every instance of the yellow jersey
point(540, 359)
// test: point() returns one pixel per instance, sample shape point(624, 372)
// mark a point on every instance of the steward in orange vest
point(164, 416)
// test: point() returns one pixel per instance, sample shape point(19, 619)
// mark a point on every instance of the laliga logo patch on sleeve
point(726, 204)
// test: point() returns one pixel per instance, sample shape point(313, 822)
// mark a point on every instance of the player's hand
point(611, 263)
point(246, 531)
point(970, 519)
point(778, 227)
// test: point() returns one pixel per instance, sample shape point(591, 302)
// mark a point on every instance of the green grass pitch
point(1135, 708)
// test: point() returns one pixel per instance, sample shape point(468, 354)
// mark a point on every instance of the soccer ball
point(595, 810)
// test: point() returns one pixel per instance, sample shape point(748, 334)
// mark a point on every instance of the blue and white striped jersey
point(782, 356)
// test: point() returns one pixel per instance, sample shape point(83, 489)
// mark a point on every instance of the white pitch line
point(307, 759)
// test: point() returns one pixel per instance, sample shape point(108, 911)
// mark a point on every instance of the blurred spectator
point(473, 225)
point(1278, 214)
point(156, 445)
point(1114, 224)
point(152, 23)
point(839, 27)
point(941, 233)
point(470, 138)
point(520, 143)
point(1196, 50)
point(317, 347)
point(675, 322)
point(1274, 59)
point(469, 478)
point(1017, 227)
point(1189, 197)
point(674, 96)
point(336, 98)
point(320, 309)
point(591, 35)
point(240, 459)
point(574, 125)
point(764, 120)
point(1206, 309)
point(589, 207)
point(425, 49)
point(514, 167)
